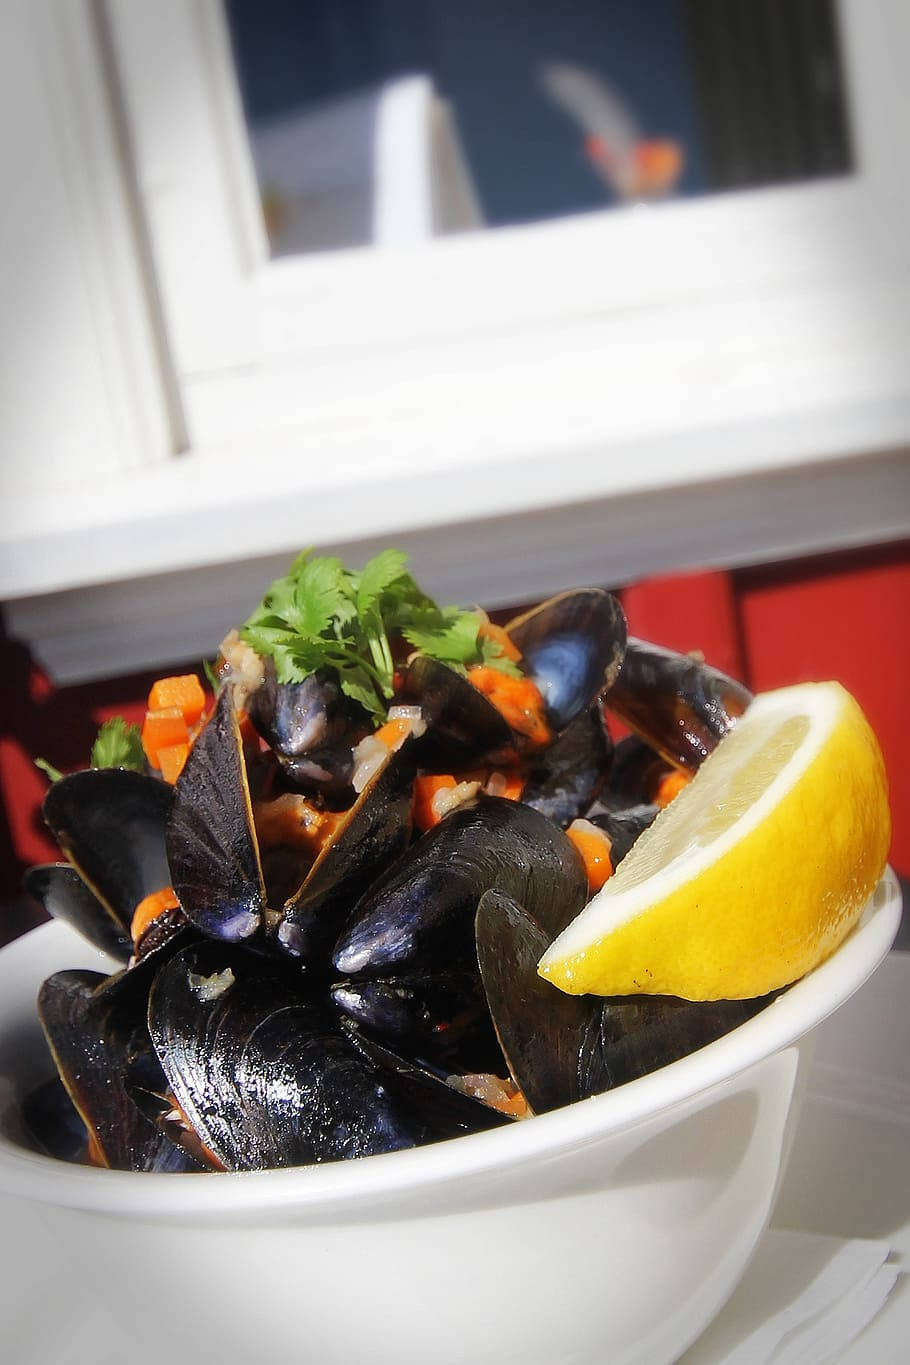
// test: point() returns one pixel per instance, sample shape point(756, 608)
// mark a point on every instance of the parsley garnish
point(323, 615)
point(118, 745)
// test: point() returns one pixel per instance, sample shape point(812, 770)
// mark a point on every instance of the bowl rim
point(336, 1185)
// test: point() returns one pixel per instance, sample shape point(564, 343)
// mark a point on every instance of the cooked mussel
point(679, 705)
point(543, 1033)
point(463, 725)
point(572, 645)
point(441, 1017)
point(420, 914)
point(212, 851)
point(62, 892)
point(96, 1027)
point(312, 727)
point(265, 1076)
point(110, 823)
point(371, 835)
point(560, 1048)
point(568, 776)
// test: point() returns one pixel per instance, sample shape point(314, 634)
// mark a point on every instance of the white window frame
point(743, 359)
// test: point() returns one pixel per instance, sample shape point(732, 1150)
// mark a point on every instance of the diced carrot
point(594, 846)
point(185, 692)
point(148, 910)
point(393, 733)
point(425, 788)
point(518, 700)
point(670, 786)
point(488, 631)
point(162, 728)
point(171, 758)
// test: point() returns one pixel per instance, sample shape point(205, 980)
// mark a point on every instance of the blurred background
point(543, 293)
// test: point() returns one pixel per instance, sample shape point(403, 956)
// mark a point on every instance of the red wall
point(843, 616)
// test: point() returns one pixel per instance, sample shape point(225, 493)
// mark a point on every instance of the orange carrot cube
point(161, 729)
point(171, 759)
point(185, 692)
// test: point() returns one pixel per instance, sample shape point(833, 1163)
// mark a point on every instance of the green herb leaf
point(118, 745)
point(48, 769)
point(378, 576)
point(491, 656)
point(322, 615)
point(212, 678)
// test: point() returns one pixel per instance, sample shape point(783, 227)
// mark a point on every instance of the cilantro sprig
point(117, 745)
point(322, 615)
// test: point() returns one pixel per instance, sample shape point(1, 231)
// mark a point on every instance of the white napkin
point(802, 1300)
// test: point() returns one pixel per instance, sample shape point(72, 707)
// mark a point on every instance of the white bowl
point(609, 1231)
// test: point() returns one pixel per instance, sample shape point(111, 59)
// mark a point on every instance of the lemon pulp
point(754, 873)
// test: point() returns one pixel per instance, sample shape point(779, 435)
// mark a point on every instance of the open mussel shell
point(543, 1033)
point(312, 727)
point(63, 894)
point(420, 915)
point(266, 1077)
point(679, 705)
point(110, 823)
point(211, 842)
point(463, 726)
point(96, 1028)
point(373, 833)
point(566, 779)
point(572, 646)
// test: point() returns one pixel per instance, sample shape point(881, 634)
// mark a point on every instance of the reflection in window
point(395, 119)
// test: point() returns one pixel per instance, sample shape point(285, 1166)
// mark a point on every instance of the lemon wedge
point(754, 873)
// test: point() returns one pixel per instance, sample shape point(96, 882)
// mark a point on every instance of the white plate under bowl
point(611, 1230)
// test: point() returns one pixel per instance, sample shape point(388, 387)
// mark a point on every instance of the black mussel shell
point(53, 1123)
point(64, 894)
point(446, 1111)
point(266, 1077)
point(463, 726)
point(312, 727)
point(573, 646)
point(623, 827)
point(96, 1028)
point(374, 832)
point(639, 1034)
point(564, 782)
point(679, 705)
point(441, 1017)
point(211, 841)
point(543, 1033)
point(560, 1047)
point(635, 774)
point(420, 915)
point(110, 823)
point(325, 773)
